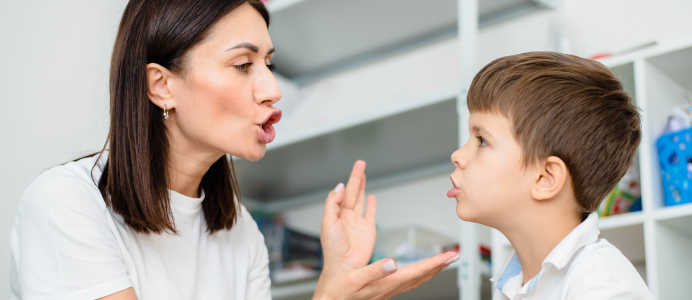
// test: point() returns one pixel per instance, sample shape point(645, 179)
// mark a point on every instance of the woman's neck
point(186, 167)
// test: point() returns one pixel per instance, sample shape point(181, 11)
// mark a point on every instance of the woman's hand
point(348, 237)
point(381, 280)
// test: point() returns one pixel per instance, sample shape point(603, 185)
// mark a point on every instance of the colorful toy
point(626, 196)
point(675, 159)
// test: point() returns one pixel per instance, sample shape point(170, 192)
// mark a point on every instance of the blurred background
point(383, 81)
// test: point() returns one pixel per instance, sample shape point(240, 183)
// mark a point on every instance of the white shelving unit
point(383, 81)
point(663, 77)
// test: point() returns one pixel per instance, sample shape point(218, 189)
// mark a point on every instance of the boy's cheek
point(470, 202)
point(479, 197)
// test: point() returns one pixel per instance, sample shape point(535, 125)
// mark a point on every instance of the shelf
point(408, 141)
point(442, 286)
point(621, 220)
point(648, 52)
point(677, 216)
point(673, 239)
point(625, 73)
point(353, 31)
point(664, 85)
point(630, 241)
point(677, 65)
point(290, 290)
point(317, 116)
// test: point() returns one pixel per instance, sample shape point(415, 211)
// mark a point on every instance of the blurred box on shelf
point(293, 255)
point(412, 244)
point(409, 244)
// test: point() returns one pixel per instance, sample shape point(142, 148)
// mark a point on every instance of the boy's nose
point(458, 159)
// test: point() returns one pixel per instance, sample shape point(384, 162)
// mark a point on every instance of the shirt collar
point(510, 278)
point(586, 233)
point(185, 208)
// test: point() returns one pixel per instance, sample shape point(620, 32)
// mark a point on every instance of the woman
point(157, 215)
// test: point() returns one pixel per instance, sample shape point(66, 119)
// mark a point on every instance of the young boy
point(551, 135)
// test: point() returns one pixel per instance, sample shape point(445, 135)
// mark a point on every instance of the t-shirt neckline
point(186, 207)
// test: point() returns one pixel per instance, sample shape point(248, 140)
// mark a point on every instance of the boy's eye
point(244, 68)
point(481, 141)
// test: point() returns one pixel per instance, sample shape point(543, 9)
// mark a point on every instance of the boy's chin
point(470, 215)
point(466, 214)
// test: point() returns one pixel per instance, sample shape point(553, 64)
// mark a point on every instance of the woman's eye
point(244, 68)
point(481, 141)
point(271, 67)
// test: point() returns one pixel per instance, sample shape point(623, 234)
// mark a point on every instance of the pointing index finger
point(353, 186)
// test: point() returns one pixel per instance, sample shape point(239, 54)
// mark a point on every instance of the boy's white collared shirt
point(581, 266)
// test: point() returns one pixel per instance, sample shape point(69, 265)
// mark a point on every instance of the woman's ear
point(550, 178)
point(159, 80)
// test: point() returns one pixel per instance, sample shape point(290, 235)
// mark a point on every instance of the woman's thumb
point(373, 272)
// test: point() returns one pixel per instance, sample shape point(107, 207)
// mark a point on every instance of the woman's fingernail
point(389, 266)
point(452, 260)
point(338, 187)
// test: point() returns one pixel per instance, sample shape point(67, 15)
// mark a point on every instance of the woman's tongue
point(267, 133)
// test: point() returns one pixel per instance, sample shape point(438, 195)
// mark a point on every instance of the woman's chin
point(257, 153)
point(254, 153)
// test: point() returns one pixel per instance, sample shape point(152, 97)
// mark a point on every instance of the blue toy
point(675, 159)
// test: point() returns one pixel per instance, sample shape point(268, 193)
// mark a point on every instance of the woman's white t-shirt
point(66, 244)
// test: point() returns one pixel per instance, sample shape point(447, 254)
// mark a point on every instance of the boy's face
point(490, 183)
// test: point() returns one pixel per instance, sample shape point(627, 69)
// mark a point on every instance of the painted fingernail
point(452, 260)
point(338, 187)
point(389, 266)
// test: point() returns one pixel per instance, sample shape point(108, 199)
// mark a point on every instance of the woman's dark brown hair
point(135, 181)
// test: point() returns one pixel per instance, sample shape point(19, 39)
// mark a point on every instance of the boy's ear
point(159, 80)
point(550, 178)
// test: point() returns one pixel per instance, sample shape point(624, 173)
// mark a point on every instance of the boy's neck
point(536, 234)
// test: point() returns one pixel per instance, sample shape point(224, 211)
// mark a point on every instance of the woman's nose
point(267, 90)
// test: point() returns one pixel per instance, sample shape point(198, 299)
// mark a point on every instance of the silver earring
point(165, 112)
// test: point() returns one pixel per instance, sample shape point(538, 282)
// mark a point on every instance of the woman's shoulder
point(71, 185)
point(245, 222)
point(244, 230)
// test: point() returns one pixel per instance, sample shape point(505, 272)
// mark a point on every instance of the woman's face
point(224, 99)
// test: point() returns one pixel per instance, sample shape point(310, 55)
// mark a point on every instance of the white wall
point(54, 60)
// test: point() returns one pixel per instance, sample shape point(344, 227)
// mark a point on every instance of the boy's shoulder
point(600, 271)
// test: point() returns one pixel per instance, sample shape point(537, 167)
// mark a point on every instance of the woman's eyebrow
point(250, 47)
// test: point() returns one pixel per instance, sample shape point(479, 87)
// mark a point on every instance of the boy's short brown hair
point(565, 106)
